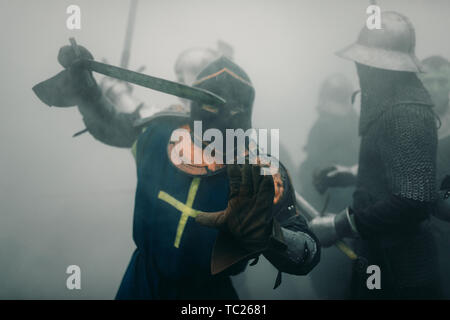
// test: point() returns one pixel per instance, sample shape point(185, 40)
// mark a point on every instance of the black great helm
point(227, 80)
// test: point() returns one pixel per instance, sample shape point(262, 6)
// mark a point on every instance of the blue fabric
point(159, 270)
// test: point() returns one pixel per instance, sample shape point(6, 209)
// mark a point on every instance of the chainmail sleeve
point(407, 144)
point(408, 148)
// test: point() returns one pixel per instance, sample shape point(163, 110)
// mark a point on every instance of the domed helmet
point(392, 47)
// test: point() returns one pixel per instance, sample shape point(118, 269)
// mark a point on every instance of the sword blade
point(158, 84)
point(124, 61)
point(306, 208)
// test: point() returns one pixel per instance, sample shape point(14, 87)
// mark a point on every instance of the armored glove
point(325, 230)
point(248, 217)
point(333, 227)
point(79, 82)
point(334, 176)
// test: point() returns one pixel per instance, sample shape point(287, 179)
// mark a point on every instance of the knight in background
point(436, 80)
point(396, 189)
point(332, 140)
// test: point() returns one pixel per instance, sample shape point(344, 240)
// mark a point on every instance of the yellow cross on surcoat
point(185, 208)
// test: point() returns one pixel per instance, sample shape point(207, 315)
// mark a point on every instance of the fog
point(67, 200)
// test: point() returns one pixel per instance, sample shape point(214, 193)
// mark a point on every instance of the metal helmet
point(437, 81)
point(335, 92)
point(191, 61)
point(226, 79)
point(437, 66)
point(392, 47)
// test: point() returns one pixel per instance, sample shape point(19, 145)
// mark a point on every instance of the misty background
point(67, 201)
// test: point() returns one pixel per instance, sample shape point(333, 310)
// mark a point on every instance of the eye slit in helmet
point(210, 108)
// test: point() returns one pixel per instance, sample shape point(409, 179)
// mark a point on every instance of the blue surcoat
point(173, 255)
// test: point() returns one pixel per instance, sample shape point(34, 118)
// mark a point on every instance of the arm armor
point(106, 122)
point(300, 251)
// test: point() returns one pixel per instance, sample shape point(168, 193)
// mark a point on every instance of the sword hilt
point(89, 81)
